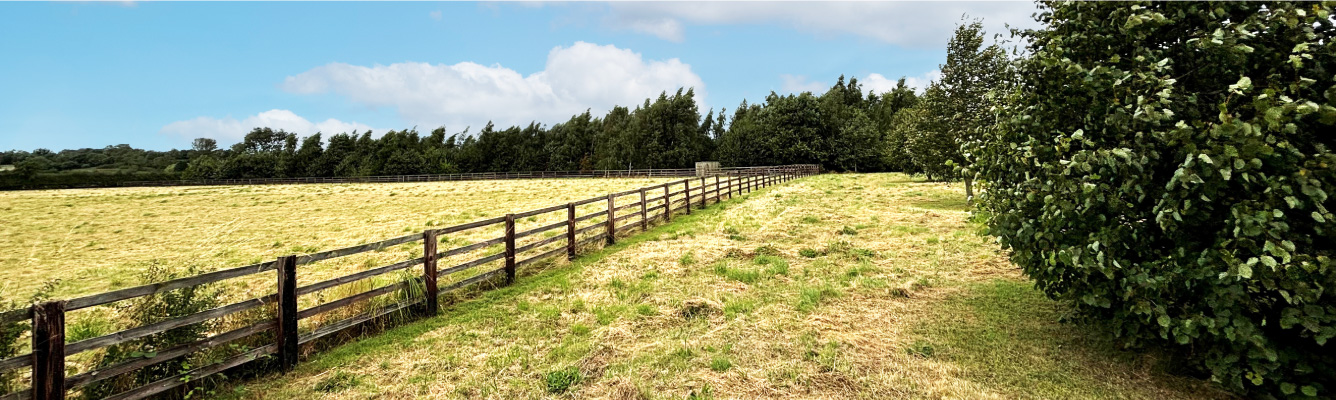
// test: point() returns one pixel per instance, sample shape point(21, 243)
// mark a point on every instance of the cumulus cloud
point(799, 84)
point(665, 28)
point(582, 76)
point(229, 130)
point(872, 83)
point(878, 83)
point(913, 24)
point(920, 83)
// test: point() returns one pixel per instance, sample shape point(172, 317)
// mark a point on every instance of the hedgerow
point(1167, 168)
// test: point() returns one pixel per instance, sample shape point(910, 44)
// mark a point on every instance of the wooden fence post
point(644, 223)
point(48, 350)
point(612, 222)
point(667, 205)
point(429, 271)
point(510, 248)
point(718, 191)
point(286, 338)
point(702, 192)
point(570, 231)
point(686, 191)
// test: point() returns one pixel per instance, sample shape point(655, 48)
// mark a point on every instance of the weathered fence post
point(286, 337)
point(612, 222)
point(644, 223)
point(48, 350)
point(702, 192)
point(429, 271)
point(510, 248)
point(718, 191)
point(686, 191)
point(667, 205)
point(570, 231)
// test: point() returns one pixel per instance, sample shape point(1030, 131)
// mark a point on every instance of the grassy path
point(835, 286)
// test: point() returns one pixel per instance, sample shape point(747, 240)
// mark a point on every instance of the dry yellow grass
point(94, 240)
point(837, 286)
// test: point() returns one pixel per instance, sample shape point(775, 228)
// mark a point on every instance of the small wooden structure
point(707, 168)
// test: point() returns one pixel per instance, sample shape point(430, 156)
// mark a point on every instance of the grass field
point(835, 286)
point(94, 240)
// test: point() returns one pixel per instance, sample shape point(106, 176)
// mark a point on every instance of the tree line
point(842, 129)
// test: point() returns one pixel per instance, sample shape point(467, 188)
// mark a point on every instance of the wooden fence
point(627, 173)
point(633, 209)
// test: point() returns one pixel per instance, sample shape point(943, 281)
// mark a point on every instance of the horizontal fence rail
point(279, 336)
point(471, 176)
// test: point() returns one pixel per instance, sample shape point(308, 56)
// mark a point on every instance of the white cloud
point(231, 130)
point(663, 27)
point(920, 83)
point(913, 24)
point(582, 76)
point(799, 84)
point(872, 83)
point(436, 15)
point(877, 83)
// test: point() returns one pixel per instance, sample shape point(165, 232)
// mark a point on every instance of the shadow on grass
point(1005, 335)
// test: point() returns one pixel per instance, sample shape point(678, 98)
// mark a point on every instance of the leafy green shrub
point(10, 344)
point(12, 333)
point(561, 380)
point(1167, 168)
point(153, 309)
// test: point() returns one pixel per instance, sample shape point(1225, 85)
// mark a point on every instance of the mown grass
point(94, 240)
point(726, 303)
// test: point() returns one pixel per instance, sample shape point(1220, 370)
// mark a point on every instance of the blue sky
point(155, 75)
